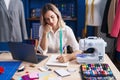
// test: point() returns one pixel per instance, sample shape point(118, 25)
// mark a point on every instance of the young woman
point(55, 34)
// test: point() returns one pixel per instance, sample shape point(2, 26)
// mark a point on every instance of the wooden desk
point(73, 64)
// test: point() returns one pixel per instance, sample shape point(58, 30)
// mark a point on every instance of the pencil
point(65, 49)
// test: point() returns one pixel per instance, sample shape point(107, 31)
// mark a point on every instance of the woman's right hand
point(63, 58)
point(47, 28)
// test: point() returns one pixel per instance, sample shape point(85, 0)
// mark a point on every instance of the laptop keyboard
point(41, 57)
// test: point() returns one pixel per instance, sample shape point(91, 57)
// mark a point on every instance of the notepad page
point(53, 62)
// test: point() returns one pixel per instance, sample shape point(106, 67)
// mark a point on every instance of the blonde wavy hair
point(53, 8)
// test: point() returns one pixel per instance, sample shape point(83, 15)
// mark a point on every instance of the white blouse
point(68, 38)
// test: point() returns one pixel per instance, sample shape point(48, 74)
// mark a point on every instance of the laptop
point(24, 52)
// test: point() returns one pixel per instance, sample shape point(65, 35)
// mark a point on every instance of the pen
point(65, 49)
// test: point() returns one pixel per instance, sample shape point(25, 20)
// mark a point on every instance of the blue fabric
point(4, 46)
point(10, 68)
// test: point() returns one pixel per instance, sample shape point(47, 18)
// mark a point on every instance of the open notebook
point(53, 62)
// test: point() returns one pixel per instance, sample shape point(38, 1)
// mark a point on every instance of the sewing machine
point(93, 50)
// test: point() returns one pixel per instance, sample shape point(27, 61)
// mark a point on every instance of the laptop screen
point(29, 41)
point(23, 51)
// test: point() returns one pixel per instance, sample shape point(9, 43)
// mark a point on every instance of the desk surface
point(73, 64)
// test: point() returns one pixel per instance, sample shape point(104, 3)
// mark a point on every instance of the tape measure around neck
point(60, 38)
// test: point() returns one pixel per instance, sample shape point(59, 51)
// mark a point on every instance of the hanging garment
point(104, 26)
point(109, 15)
point(12, 21)
point(116, 27)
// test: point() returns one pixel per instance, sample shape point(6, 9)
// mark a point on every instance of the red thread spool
point(1, 69)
